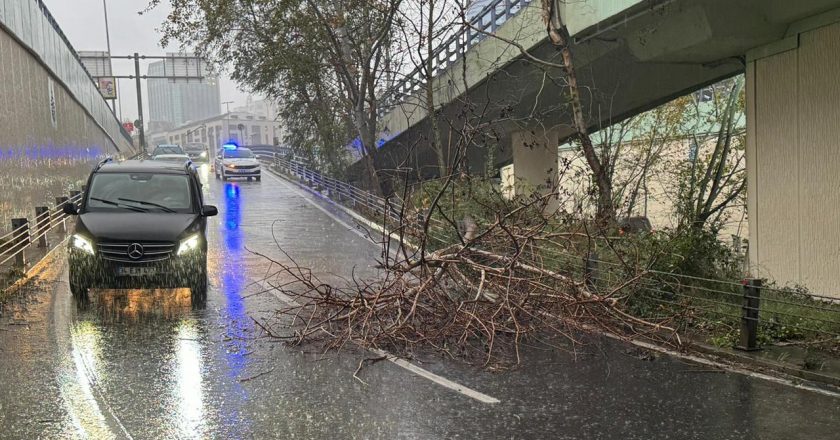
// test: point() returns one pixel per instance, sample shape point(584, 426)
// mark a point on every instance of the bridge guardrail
point(487, 21)
point(342, 190)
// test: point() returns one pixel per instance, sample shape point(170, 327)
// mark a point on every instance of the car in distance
point(167, 149)
point(141, 224)
point(197, 152)
point(233, 161)
point(175, 158)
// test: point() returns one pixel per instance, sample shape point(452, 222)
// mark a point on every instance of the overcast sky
point(84, 24)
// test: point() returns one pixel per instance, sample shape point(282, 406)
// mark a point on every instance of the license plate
point(136, 271)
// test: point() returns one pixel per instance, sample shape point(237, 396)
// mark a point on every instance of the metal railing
point(341, 191)
point(26, 233)
point(744, 313)
point(487, 21)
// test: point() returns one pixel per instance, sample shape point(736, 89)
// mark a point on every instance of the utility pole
point(141, 131)
point(227, 123)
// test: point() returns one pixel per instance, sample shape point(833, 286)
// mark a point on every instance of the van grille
point(151, 251)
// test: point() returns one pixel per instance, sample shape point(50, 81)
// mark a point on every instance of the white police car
point(233, 161)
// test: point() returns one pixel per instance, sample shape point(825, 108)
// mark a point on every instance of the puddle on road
point(133, 305)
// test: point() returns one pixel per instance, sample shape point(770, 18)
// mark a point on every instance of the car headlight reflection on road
point(82, 243)
point(189, 244)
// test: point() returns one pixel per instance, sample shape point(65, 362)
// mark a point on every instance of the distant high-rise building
point(173, 102)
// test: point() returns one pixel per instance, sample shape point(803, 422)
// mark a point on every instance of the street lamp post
point(227, 123)
point(108, 45)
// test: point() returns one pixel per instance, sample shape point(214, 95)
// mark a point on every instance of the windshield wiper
point(143, 202)
point(113, 203)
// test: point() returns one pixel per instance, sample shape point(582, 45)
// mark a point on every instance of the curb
point(32, 271)
point(760, 363)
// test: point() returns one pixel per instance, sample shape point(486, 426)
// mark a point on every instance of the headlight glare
point(83, 244)
point(189, 244)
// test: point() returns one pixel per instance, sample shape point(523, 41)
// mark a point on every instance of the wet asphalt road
point(145, 364)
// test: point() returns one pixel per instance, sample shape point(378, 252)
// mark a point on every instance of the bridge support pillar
point(535, 162)
point(793, 160)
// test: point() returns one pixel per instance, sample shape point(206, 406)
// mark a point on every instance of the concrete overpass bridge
point(630, 56)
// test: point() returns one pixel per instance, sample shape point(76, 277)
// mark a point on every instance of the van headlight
point(189, 244)
point(83, 244)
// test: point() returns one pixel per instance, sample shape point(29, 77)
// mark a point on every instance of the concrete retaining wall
point(53, 123)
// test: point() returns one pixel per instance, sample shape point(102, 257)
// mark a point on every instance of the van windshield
point(139, 192)
point(167, 149)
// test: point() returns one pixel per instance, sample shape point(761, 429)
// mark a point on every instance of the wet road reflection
point(233, 280)
point(133, 305)
point(77, 381)
point(188, 372)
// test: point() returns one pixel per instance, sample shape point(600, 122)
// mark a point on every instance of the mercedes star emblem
point(135, 251)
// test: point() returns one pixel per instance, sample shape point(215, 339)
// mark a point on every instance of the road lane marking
point(481, 397)
point(78, 382)
point(402, 363)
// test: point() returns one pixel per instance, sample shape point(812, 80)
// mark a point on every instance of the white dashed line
point(481, 397)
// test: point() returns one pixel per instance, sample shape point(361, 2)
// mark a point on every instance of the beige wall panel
point(751, 153)
point(819, 158)
point(776, 172)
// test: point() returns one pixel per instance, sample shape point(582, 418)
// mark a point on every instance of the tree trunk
point(605, 214)
point(442, 158)
point(367, 136)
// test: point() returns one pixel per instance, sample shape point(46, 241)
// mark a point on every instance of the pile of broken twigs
point(478, 299)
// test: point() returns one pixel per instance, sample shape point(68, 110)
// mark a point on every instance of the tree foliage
point(323, 62)
point(716, 178)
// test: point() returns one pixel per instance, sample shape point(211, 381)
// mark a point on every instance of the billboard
point(183, 67)
point(97, 63)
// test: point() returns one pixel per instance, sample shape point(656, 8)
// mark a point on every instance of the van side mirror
point(209, 210)
point(69, 208)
